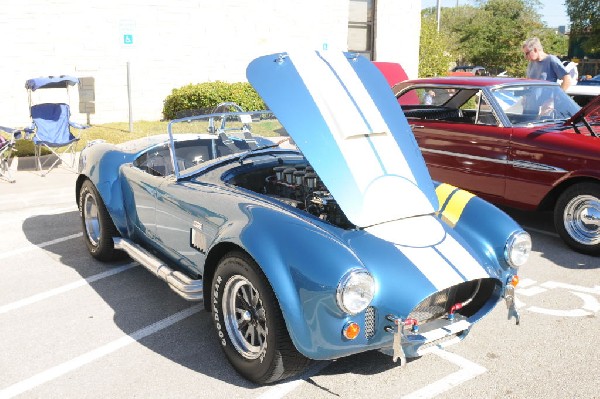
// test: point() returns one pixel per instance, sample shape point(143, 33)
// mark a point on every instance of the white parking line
point(68, 287)
point(30, 247)
point(35, 196)
point(554, 284)
point(468, 371)
point(531, 291)
point(590, 306)
point(526, 282)
point(73, 364)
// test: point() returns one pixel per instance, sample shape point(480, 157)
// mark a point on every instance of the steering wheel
point(547, 109)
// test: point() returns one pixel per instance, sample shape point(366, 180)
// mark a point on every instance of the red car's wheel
point(249, 323)
point(577, 217)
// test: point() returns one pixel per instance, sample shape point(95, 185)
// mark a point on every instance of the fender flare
point(287, 264)
point(101, 164)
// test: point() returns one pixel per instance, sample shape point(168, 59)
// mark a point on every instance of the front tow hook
point(509, 297)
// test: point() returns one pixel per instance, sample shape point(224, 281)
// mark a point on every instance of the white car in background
point(583, 94)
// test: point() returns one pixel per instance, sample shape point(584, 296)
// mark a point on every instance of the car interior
point(189, 153)
point(449, 105)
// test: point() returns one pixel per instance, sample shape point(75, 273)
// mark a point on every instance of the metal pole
point(438, 14)
point(129, 98)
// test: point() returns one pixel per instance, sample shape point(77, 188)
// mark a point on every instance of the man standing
point(544, 66)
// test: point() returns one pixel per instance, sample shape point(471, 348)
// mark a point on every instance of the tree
point(554, 43)
point(434, 57)
point(492, 32)
point(585, 22)
point(494, 35)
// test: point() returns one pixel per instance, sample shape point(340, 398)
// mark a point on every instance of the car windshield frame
point(232, 134)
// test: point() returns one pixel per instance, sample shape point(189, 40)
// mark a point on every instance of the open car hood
point(341, 113)
point(392, 71)
point(590, 108)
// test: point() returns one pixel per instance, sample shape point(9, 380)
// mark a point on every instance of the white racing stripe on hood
point(461, 259)
point(424, 241)
point(341, 114)
point(385, 146)
point(433, 266)
point(373, 156)
point(442, 263)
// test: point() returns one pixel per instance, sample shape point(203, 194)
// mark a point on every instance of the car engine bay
point(298, 186)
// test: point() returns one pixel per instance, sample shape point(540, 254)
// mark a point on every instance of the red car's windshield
point(535, 104)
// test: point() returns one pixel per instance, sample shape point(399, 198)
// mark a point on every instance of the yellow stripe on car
point(452, 202)
point(443, 191)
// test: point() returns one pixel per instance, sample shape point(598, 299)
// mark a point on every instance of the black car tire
point(577, 217)
point(98, 227)
point(243, 303)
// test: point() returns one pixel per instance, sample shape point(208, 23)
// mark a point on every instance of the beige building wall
point(174, 43)
point(397, 32)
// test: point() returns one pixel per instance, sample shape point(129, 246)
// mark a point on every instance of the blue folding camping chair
point(51, 124)
point(7, 146)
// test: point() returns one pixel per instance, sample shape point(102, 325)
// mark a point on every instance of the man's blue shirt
point(550, 69)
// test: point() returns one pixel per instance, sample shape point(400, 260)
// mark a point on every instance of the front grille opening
point(438, 305)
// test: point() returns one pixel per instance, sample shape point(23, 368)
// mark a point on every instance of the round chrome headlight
point(517, 249)
point(355, 291)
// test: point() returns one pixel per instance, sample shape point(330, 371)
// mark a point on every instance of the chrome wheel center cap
point(246, 316)
point(591, 216)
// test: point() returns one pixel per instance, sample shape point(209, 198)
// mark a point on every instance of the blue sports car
point(331, 244)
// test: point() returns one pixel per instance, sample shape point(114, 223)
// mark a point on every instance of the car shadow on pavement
point(547, 242)
point(138, 300)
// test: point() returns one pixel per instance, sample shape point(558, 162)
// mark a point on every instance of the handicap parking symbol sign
point(127, 39)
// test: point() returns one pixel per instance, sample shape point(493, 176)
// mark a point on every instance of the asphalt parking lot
point(72, 327)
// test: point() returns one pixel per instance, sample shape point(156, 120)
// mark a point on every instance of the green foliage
point(554, 43)
point(492, 32)
point(24, 148)
point(585, 22)
point(114, 132)
point(434, 57)
point(118, 132)
point(206, 96)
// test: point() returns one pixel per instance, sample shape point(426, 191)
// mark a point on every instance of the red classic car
point(515, 142)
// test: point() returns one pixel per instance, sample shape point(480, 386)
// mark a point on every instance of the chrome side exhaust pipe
point(186, 287)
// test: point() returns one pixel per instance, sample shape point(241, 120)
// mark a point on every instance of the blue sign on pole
point(127, 39)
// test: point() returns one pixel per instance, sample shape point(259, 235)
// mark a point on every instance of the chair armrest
point(77, 125)
point(8, 129)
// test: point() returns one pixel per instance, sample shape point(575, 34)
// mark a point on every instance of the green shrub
point(203, 97)
point(24, 148)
